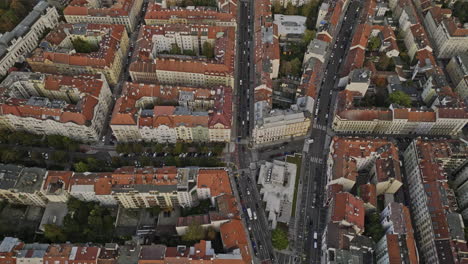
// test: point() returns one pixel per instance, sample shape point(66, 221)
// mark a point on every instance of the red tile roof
point(348, 210)
point(216, 180)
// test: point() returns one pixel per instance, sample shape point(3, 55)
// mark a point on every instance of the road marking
point(316, 160)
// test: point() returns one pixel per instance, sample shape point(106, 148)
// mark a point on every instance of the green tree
point(460, 10)
point(277, 8)
point(373, 228)
point(208, 50)
point(210, 233)
point(10, 156)
point(296, 67)
point(374, 43)
point(154, 211)
point(290, 9)
point(81, 167)
point(59, 156)
point(175, 49)
point(279, 239)
point(195, 232)
point(54, 233)
point(82, 46)
point(309, 35)
point(400, 98)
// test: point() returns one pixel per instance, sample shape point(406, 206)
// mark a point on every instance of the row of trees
point(175, 149)
point(12, 12)
point(27, 139)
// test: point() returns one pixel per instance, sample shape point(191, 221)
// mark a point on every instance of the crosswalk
point(316, 160)
point(321, 127)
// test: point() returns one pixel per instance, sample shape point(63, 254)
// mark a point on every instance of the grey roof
point(53, 214)
point(360, 75)
point(8, 244)
point(317, 46)
point(23, 27)
point(37, 251)
point(153, 252)
point(455, 224)
point(267, 35)
point(30, 180)
point(462, 61)
point(9, 175)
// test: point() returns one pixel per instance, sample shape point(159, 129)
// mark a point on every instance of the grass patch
point(296, 159)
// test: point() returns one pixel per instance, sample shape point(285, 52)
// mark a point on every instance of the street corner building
point(47, 104)
point(56, 53)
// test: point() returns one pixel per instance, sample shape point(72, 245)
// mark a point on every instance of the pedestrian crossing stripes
point(321, 127)
point(316, 160)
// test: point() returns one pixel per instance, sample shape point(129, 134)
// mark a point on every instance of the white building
point(15, 45)
point(290, 25)
point(277, 179)
point(359, 81)
point(277, 125)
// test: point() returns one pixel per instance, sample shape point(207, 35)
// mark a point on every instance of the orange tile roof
point(126, 111)
point(119, 8)
point(216, 180)
point(111, 36)
point(368, 193)
point(196, 15)
point(347, 150)
point(347, 208)
point(224, 50)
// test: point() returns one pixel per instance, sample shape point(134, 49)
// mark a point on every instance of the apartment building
point(457, 69)
point(45, 104)
point(349, 156)
point(158, 15)
point(398, 244)
point(123, 12)
point(152, 64)
point(57, 55)
point(32, 254)
point(342, 239)
point(460, 185)
point(201, 114)
point(439, 120)
point(20, 185)
point(58, 254)
point(438, 226)
point(277, 179)
point(277, 124)
point(9, 248)
point(416, 40)
point(15, 45)
point(449, 37)
point(132, 187)
point(56, 185)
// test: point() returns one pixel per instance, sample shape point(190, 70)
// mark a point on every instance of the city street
point(312, 215)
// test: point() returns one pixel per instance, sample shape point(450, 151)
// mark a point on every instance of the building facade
point(57, 55)
point(15, 45)
point(124, 12)
point(38, 103)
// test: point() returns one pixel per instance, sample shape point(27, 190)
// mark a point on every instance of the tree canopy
point(82, 46)
point(85, 221)
point(460, 10)
point(400, 98)
point(195, 232)
point(279, 239)
point(208, 50)
point(12, 12)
